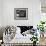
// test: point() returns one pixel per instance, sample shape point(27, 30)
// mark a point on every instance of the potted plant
point(34, 39)
point(41, 27)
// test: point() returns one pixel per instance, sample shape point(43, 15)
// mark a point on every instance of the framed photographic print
point(20, 13)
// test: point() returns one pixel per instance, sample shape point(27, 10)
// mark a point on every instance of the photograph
point(20, 13)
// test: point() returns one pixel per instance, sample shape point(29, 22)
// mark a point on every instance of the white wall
point(0, 11)
point(33, 12)
point(36, 7)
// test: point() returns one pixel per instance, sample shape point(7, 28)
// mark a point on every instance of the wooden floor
point(42, 41)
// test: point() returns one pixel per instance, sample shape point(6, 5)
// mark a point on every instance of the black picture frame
point(20, 13)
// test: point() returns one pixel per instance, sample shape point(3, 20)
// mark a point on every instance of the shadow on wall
point(2, 29)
